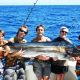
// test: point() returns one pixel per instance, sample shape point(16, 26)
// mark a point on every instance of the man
point(4, 50)
point(57, 66)
point(78, 59)
point(18, 64)
point(41, 64)
point(63, 35)
point(19, 38)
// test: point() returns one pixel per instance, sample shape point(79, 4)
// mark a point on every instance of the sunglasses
point(23, 31)
point(64, 32)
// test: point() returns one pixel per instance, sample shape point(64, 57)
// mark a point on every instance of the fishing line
point(30, 13)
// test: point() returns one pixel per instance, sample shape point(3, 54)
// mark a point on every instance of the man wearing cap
point(57, 66)
point(62, 37)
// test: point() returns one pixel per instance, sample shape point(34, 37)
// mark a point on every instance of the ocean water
point(51, 16)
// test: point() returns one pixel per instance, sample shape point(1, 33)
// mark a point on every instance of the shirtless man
point(41, 65)
point(19, 38)
point(18, 66)
point(4, 51)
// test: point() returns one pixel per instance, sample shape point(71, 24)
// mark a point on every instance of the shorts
point(41, 68)
point(57, 68)
point(77, 67)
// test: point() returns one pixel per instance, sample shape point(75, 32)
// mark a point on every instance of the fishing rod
point(29, 13)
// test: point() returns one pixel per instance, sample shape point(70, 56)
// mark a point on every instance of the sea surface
point(51, 16)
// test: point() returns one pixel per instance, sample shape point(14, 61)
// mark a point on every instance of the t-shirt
point(59, 39)
point(61, 62)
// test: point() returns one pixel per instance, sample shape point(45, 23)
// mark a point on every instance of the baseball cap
point(63, 28)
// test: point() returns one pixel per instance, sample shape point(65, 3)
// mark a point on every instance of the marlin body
point(50, 49)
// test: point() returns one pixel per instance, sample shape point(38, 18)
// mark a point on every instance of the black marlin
point(51, 49)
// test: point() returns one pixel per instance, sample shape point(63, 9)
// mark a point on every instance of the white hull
point(70, 75)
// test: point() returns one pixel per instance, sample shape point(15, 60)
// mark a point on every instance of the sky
point(40, 2)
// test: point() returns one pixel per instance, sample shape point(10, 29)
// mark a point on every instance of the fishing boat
point(70, 75)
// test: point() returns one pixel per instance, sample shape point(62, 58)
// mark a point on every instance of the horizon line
point(38, 4)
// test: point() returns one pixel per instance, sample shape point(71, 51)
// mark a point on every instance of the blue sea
point(51, 16)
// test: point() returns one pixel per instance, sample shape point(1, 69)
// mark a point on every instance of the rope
point(29, 13)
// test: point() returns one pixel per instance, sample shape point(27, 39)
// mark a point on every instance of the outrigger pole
point(24, 23)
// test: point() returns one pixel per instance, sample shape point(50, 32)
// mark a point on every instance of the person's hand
point(42, 57)
point(77, 58)
point(72, 58)
point(55, 59)
point(19, 53)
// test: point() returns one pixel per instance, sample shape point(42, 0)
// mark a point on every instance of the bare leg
point(62, 77)
point(59, 76)
point(46, 78)
point(40, 78)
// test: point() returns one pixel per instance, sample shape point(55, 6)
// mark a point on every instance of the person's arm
point(17, 53)
point(67, 40)
point(7, 50)
point(48, 39)
point(34, 40)
point(11, 40)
